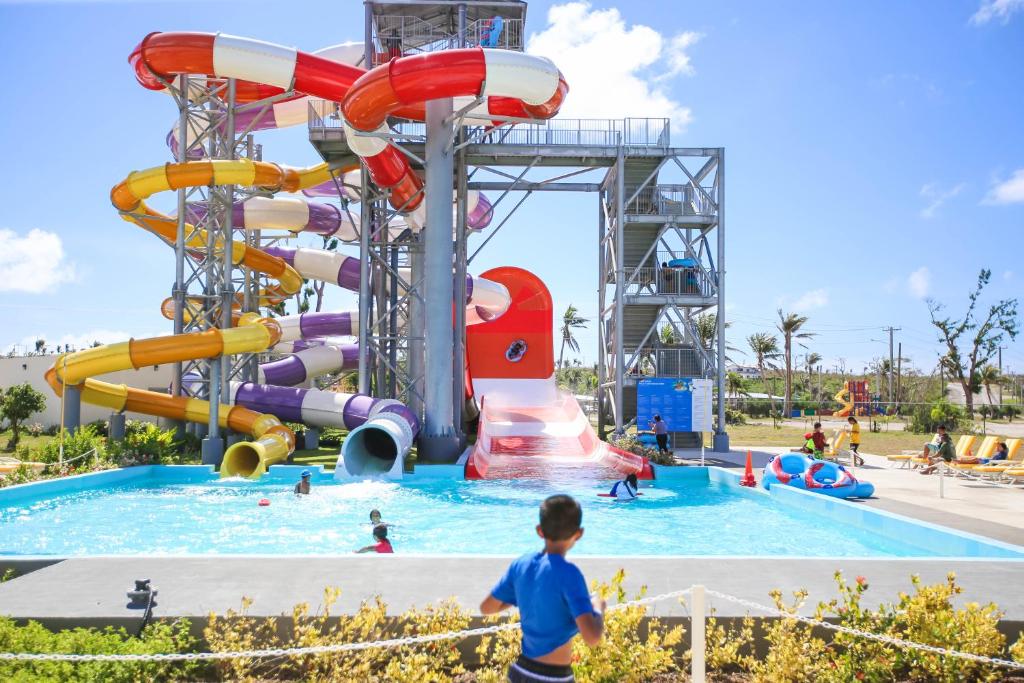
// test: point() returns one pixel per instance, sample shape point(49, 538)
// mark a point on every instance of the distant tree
point(571, 320)
point(972, 341)
point(94, 344)
point(735, 385)
point(989, 375)
point(706, 325)
point(765, 347)
point(40, 346)
point(811, 360)
point(17, 404)
point(789, 325)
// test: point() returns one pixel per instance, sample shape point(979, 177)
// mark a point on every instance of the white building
point(744, 371)
point(21, 369)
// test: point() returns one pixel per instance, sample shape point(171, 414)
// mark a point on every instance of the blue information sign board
point(683, 403)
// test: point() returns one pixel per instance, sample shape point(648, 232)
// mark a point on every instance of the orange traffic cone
point(748, 474)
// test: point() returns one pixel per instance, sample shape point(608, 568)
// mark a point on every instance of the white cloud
point(1000, 10)
point(614, 70)
point(919, 282)
point(33, 263)
point(816, 298)
point(1007, 275)
point(1009, 191)
point(937, 197)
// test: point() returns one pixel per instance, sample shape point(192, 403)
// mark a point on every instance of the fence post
point(698, 643)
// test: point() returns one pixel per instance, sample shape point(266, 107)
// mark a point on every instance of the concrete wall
point(19, 369)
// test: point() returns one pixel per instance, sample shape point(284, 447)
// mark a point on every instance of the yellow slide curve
point(273, 441)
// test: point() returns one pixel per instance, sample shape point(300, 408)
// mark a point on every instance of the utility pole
point(890, 330)
point(899, 374)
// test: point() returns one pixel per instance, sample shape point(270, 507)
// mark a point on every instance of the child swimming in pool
point(375, 519)
point(382, 544)
point(625, 489)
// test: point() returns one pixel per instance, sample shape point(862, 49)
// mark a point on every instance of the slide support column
point(439, 441)
point(720, 443)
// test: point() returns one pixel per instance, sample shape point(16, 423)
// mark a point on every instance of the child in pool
point(625, 489)
point(375, 519)
point(382, 545)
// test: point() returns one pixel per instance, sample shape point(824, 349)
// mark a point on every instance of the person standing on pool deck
point(303, 488)
point(660, 433)
point(552, 596)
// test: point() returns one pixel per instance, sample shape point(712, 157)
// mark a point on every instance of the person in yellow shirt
point(854, 429)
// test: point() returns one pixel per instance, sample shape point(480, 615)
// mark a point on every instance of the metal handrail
point(556, 132)
point(661, 361)
point(673, 200)
point(672, 281)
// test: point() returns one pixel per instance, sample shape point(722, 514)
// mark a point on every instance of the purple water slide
point(293, 369)
point(346, 277)
point(324, 219)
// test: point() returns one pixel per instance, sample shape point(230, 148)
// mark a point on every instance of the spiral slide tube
point(281, 114)
point(513, 85)
point(273, 442)
point(533, 84)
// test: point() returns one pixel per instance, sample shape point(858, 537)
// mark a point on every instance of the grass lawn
point(311, 457)
point(32, 442)
point(881, 443)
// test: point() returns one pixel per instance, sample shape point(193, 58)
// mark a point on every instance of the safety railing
point(669, 281)
point(673, 200)
point(556, 132)
point(400, 36)
point(657, 361)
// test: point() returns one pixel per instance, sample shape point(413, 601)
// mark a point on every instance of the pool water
point(437, 516)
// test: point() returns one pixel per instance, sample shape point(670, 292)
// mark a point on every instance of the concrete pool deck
point(976, 507)
point(91, 591)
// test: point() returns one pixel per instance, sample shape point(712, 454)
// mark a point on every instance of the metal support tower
point(205, 285)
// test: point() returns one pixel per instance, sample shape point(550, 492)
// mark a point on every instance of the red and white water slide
point(527, 426)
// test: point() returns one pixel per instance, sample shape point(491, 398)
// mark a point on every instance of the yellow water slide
point(272, 441)
point(844, 398)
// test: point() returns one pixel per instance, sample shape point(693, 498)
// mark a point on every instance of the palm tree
point(765, 347)
point(789, 325)
point(988, 376)
point(735, 385)
point(571, 320)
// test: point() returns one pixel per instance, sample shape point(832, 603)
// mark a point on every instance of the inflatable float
point(819, 476)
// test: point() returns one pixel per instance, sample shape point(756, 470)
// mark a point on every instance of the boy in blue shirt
point(552, 596)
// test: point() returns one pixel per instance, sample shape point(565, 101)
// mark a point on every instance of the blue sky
point(875, 155)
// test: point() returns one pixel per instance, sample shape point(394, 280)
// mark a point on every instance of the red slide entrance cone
point(748, 474)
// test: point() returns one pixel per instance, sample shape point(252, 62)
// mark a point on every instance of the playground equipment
point(818, 476)
point(856, 399)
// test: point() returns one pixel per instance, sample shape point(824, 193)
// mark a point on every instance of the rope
point(888, 640)
point(302, 651)
point(490, 630)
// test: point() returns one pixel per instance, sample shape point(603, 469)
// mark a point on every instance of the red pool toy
point(264, 502)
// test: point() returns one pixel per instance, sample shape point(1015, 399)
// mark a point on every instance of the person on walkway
point(854, 430)
point(660, 433)
point(303, 488)
point(552, 596)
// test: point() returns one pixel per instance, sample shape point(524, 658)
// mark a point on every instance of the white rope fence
point(698, 615)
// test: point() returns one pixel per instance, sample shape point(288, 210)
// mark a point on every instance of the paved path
point(92, 590)
point(976, 507)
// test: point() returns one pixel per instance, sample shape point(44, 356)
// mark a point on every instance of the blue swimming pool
point(186, 511)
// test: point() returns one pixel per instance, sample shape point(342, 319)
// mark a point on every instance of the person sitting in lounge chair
point(943, 451)
point(1002, 453)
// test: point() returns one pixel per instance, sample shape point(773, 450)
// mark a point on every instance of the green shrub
point(924, 419)
point(632, 444)
point(333, 436)
point(22, 475)
point(33, 637)
point(145, 443)
point(83, 440)
point(734, 417)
